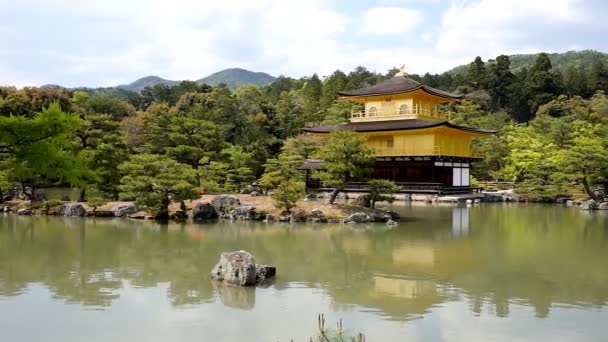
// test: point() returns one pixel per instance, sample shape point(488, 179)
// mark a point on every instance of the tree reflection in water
point(490, 255)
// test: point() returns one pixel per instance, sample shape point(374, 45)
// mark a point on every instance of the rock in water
point(235, 268)
point(203, 211)
point(224, 204)
point(379, 215)
point(239, 269)
point(603, 206)
point(264, 272)
point(24, 212)
point(297, 216)
point(358, 218)
point(71, 209)
point(589, 205)
point(122, 210)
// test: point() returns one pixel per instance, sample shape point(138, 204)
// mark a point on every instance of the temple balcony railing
point(436, 151)
point(399, 114)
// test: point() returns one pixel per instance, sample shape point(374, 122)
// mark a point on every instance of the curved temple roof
point(394, 125)
point(396, 85)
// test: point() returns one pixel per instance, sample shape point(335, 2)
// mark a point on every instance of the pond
point(494, 272)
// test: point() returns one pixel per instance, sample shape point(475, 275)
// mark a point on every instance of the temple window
point(403, 109)
point(372, 111)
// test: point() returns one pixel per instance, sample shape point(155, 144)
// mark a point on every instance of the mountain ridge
point(232, 77)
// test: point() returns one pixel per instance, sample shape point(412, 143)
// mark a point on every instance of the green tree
point(290, 115)
point(99, 143)
point(5, 184)
point(500, 80)
point(532, 164)
point(154, 181)
point(543, 85)
point(36, 148)
point(287, 194)
point(586, 160)
point(283, 175)
point(477, 73)
point(379, 189)
point(598, 77)
point(311, 91)
point(331, 86)
point(304, 145)
point(283, 169)
point(346, 157)
point(238, 171)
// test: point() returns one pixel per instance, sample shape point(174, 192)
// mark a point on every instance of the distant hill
point(230, 77)
point(560, 61)
point(235, 77)
point(143, 82)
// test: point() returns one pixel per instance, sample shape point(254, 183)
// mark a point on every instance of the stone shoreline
point(247, 207)
point(218, 207)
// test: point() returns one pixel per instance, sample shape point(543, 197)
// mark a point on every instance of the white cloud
point(493, 27)
point(184, 39)
point(93, 43)
point(383, 20)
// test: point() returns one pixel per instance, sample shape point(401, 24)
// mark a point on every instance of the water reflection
point(487, 256)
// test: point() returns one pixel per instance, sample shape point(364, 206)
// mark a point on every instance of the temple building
point(414, 142)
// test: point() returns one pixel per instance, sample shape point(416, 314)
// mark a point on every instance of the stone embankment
point(225, 207)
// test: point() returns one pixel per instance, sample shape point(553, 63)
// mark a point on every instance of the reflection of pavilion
point(402, 287)
point(460, 221)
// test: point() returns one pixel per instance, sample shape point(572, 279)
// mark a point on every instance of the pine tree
point(500, 80)
point(598, 78)
point(477, 74)
point(543, 85)
point(312, 90)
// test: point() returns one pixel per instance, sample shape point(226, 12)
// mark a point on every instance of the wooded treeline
point(170, 140)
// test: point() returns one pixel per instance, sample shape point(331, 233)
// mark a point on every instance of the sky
point(111, 42)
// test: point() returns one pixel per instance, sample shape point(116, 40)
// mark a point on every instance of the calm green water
point(484, 273)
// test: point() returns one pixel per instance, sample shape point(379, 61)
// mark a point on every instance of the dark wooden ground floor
point(437, 175)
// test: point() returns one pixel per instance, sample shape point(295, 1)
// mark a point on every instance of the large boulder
point(203, 211)
point(379, 215)
point(236, 268)
point(251, 189)
point(123, 210)
point(270, 218)
point(316, 213)
point(359, 217)
point(603, 206)
point(71, 209)
point(588, 205)
point(297, 216)
point(24, 212)
point(246, 212)
point(224, 204)
point(102, 213)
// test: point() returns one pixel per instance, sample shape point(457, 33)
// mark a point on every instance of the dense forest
point(173, 140)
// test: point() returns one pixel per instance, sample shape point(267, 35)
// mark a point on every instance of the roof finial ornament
point(401, 71)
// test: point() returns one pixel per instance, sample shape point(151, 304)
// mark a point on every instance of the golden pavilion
point(414, 141)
